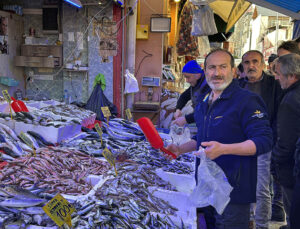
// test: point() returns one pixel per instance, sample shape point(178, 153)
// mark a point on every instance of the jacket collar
point(293, 86)
point(227, 93)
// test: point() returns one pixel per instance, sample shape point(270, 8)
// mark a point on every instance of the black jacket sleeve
point(190, 118)
point(184, 98)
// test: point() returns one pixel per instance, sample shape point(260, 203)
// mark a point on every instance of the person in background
point(287, 47)
point(271, 59)
point(295, 207)
point(298, 41)
point(3, 26)
point(240, 71)
point(194, 75)
point(288, 125)
point(268, 88)
point(233, 127)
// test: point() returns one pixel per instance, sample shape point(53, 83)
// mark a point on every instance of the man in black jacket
point(288, 124)
point(194, 75)
point(295, 208)
point(268, 88)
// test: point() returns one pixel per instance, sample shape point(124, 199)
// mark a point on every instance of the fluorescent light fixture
point(76, 3)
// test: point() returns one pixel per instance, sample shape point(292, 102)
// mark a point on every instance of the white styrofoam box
point(96, 181)
point(51, 102)
point(11, 123)
point(183, 182)
point(4, 108)
point(32, 103)
point(50, 133)
point(179, 200)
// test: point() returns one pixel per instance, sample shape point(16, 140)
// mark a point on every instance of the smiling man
point(268, 88)
point(233, 128)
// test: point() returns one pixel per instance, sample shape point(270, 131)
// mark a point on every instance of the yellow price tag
point(27, 142)
point(106, 112)
point(128, 113)
point(8, 99)
point(99, 131)
point(59, 210)
point(110, 158)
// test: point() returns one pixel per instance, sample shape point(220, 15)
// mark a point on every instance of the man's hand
point(177, 114)
point(181, 121)
point(174, 149)
point(213, 149)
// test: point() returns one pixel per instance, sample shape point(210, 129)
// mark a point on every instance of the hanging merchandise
point(131, 84)
point(187, 45)
point(203, 21)
point(98, 100)
point(199, 2)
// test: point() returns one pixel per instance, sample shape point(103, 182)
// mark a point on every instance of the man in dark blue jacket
point(233, 128)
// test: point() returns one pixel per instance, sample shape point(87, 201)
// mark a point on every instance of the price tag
point(27, 142)
point(128, 113)
point(59, 210)
point(106, 112)
point(8, 99)
point(110, 158)
point(99, 131)
point(6, 96)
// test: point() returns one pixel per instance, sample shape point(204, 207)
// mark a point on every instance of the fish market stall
point(141, 194)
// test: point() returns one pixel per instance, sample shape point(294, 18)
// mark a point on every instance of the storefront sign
point(59, 210)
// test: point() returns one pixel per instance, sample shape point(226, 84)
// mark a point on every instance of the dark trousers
point(295, 207)
point(235, 216)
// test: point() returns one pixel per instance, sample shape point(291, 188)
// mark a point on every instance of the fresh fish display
point(126, 202)
point(54, 169)
point(10, 144)
point(20, 208)
point(143, 153)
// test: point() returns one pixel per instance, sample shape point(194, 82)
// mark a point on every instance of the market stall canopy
point(231, 10)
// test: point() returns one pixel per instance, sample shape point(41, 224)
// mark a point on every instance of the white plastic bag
point(179, 134)
point(212, 188)
point(131, 84)
point(203, 22)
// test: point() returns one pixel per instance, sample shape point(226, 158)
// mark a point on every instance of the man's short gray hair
point(290, 65)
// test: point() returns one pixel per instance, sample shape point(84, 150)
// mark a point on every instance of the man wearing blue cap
point(194, 75)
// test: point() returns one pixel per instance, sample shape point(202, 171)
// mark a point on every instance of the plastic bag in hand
point(212, 186)
point(131, 83)
point(179, 134)
point(203, 22)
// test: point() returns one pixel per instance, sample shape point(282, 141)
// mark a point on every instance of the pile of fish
point(126, 202)
point(69, 110)
point(143, 153)
point(119, 134)
point(20, 208)
point(54, 169)
point(11, 145)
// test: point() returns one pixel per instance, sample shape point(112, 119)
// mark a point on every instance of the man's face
point(253, 66)
point(218, 71)
point(3, 25)
point(192, 78)
point(284, 81)
point(282, 52)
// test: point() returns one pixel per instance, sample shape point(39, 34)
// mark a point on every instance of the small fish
point(21, 203)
